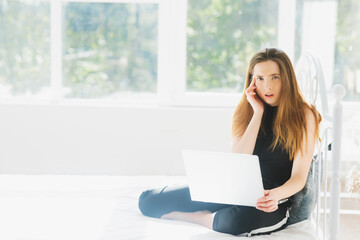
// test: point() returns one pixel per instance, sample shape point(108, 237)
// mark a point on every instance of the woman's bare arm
point(246, 142)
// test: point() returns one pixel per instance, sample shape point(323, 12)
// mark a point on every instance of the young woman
point(272, 121)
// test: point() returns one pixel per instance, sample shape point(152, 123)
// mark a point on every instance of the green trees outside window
point(221, 37)
point(111, 49)
point(24, 47)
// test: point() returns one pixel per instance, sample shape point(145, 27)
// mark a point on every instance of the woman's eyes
point(260, 78)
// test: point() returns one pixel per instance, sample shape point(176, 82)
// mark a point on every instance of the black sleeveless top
point(275, 165)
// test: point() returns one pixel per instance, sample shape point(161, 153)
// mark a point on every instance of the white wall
point(117, 140)
point(55, 139)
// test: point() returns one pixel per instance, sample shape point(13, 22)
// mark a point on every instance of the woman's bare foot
point(204, 218)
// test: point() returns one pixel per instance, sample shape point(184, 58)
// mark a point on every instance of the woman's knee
point(228, 221)
point(145, 200)
point(149, 203)
point(230, 227)
point(237, 220)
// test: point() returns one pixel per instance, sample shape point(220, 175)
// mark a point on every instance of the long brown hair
point(290, 123)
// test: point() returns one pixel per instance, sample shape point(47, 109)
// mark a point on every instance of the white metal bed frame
point(311, 80)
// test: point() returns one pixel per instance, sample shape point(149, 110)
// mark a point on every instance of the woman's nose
point(268, 85)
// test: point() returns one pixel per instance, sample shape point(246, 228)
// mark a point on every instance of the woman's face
point(268, 82)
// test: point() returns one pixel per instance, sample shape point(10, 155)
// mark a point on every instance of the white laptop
point(219, 177)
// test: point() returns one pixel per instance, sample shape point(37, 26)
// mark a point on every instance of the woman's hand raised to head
point(253, 98)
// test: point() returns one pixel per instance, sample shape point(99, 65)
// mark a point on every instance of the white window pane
point(335, 38)
point(24, 48)
point(221, 38)
point(347, 57)
point(109, 49)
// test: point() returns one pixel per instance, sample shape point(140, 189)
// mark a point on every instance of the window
point(223, 35)
point(347, 58)
point(175, 52)
point(109, 49)
point(78, 50)
point(24, 48)
point(221, 38)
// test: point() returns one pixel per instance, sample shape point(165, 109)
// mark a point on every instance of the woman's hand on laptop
point(269, 202)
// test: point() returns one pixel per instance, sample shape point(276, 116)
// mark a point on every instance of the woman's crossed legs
point(175, 203)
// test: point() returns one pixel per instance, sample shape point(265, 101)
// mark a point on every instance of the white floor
point(96, 208)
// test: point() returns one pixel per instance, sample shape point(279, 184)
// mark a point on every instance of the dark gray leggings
point(230, 219)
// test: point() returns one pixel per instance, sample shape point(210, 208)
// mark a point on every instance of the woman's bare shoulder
point(309, 116)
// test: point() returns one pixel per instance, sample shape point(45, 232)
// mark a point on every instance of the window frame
point(56, 53)
point(171, 65)
point(287, 8)
point(56, 65)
